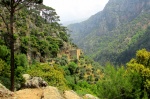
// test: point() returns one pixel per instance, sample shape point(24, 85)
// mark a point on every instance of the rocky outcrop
point(71, 95)
point(51, 93)
point(34, 93)
point(5, 93)
point(48, 92)
point(33, 82)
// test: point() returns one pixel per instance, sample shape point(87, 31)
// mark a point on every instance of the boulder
point(5, 93)
point(51, 93)
point(71, 95)
point(26, 77)
point(33, 82)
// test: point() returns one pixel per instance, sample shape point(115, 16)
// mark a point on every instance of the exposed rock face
point(51, 93)
point(26, 77)
point(5, 93)
point(114, 14)
point(48, 92)
point(34, 93)
point(118, 12)
point(34, 82)
point(71, 95)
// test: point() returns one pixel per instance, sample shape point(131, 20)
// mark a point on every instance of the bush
point(115, 84)
point(84, 88)
point(21, 60)
point(141, 66)
point(72, 67)
point(4, 73)
point(4, 52)
point(70, 82)
point(54, 76)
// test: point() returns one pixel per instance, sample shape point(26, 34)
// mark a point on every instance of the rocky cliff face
point(96, 33)
point(118, 12)
point(115, 13)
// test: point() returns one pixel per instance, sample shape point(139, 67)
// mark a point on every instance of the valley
point(104, 57)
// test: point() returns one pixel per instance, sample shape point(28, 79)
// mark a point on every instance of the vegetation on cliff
point(43, 48)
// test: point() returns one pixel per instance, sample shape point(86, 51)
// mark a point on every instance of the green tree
point(4, 52)
point(4, 73)
point(141, 65)
point(72, 67)
point(115, 84)
point(52, 74)
point(12, 7)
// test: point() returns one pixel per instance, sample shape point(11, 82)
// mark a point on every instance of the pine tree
point(11, 7)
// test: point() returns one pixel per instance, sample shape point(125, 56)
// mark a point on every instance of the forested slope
point(42, 46)
point(110, 32)
point(42, 49)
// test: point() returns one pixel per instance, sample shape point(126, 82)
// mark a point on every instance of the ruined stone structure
point(75, 53)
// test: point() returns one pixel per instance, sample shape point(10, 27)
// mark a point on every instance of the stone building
point(75, 53)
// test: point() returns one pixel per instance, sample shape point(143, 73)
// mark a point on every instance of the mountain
point(106, 35)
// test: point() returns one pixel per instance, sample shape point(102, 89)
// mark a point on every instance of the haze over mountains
point(66, 23)
point(115, 33)
point(73, 11)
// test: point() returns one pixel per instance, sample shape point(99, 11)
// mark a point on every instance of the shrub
point(51, 74)
point(21, 60)
point(115, 84)
point(72, 67)
point(4, 52)
point(4, 73)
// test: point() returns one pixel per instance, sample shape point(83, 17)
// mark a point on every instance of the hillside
point(45, 56)
point(44, 49)
point(107, 34)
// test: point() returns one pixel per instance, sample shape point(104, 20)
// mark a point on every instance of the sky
point(75, 10)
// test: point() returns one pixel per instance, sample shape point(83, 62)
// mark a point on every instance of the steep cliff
point(110, 32)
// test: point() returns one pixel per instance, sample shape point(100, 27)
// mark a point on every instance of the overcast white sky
point(74, 10)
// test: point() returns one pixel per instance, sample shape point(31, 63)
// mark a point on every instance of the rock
point(44, 84)
point(51, 93)
point(48, 92)
point(71, 95)
point(34, 93)
point(34, 82)
point(89, 96)
point(5, 93)
point(26, 77)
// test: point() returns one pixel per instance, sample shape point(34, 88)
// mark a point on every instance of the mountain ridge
point(101, 30)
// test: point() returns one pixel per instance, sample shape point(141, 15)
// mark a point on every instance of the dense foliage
point(130, 82)
point(139, 41)
point(39, 39)
point(38, 36)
